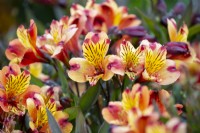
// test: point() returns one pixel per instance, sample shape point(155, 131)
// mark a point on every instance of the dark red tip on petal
point(107, 41)
point(95, 38)
point(153, 46)
point(74, 67)
point(86, 41)
point(171, 69)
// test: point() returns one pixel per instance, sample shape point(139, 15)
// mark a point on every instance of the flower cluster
point(81, 68)
point(17, 95)
point(148, 60)
point(135, 113)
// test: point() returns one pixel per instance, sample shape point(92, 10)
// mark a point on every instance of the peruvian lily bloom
point(15, 89)
point(157, 67)
point(137, 99)
point(38, 116)
point(55, 41)
point(94, 65)
point(118, 15)
point(161, 98)
point(130, 62)
point(177, 36)
point(24, 50)
point(178, 47)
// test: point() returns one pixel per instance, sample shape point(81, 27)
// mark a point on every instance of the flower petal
point(13, 69)
point(128, 21)
point(116, 65)
point(114, 114)
point(80, 68)
point(30, 57)
point(172, 29)
point(168, 74)
point(15, 50)
point(62, 119)
point(182, 34)
point(144, 95)
point(3, 103)
point(28, 36)
point(29, 93)
point(35, 69)
point(108, 74)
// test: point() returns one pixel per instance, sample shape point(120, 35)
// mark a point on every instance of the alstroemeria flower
point(115, 114)
point(178, 47)
point(55, 41)
point(130, 62)
point(94, 65)
point(136, 99)
point(38, 116)
point(15, 89)
point(118, 15)
point(177, 36)
point(135, 113)
point(160, 98)
point(157, 67)
point(37, 112)
point(24, 50)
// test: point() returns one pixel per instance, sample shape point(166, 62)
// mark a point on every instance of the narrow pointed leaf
point(104, 128)
point(80, 123)
point(89, 98)
point(73, 112)
point(52, 123)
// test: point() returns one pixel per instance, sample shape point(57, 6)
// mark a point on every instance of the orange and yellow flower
point(136, 99)
point(118, 15)
point(15, 89)
point(135, 113)
point(176, 35)
point(24, 50)
point(38, 115)
point(93, 16)
point(161, 98)
point(55, 41)
point(94, 65)
point(157, 67)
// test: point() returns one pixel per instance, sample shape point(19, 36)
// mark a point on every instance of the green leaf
point(154, 26)
point(72, 111)
point(36, 81)
point(104, 128)
point(63, 79)
point(89, 98)
point(80, 123)
point(194, 30)
point(52, 123)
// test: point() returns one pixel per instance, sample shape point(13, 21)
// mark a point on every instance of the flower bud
point(177, 50)
point(136, 31)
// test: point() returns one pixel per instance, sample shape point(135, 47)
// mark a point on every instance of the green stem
point(77, 89)
point(62, 77)
point(104, 93)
